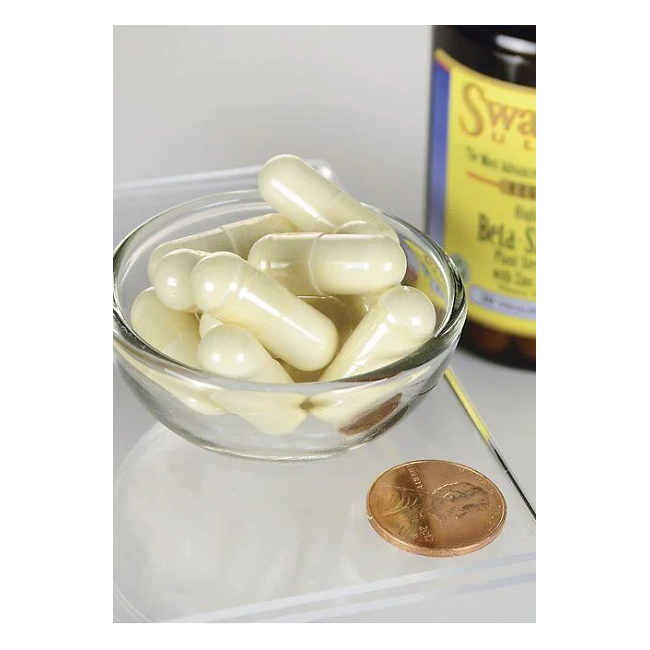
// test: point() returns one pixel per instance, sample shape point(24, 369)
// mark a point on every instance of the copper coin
point(436, 508)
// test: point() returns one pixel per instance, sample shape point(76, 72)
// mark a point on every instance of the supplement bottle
point(481, 181)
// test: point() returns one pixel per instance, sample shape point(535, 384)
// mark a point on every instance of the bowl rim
point(440, 343)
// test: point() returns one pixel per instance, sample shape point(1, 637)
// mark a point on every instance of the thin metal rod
point(483, 430)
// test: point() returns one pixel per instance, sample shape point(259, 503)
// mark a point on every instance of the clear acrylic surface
point(201, 537)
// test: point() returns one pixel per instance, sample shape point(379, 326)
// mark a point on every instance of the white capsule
point(334, 309)
point(311, 201)
point(174, 333)
point(171, 279)
point(233, 352)
point(401, 321)
point(301, 376)
point(345, 406)
point(235, 292)
point(275, 414)
point(322, 264)
point(194, 398)
point(359, 228)
point(236, 237)
point(206, 323)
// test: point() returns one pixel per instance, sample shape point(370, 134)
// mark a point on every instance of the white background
point(200, 98)
point(194, 99)
point(576, 371)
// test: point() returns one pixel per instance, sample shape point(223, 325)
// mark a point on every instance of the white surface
point(505, 398)
point(190, 98)
point(202, 537)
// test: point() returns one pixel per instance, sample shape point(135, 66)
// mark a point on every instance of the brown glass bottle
point(491, 158)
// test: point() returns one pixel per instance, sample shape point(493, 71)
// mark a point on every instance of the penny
point(436, 508)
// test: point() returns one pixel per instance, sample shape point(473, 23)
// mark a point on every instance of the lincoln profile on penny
point(458, 500)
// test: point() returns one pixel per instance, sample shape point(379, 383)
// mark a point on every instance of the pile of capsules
point(311, 293)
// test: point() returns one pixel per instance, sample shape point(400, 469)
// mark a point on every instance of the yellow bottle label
point(482, 191)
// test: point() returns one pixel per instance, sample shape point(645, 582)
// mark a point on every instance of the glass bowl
point(278, 421)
